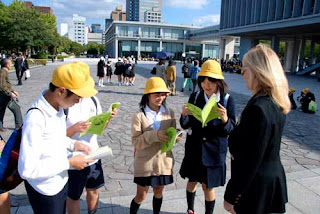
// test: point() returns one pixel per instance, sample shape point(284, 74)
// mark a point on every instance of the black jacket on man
point(257, 174)
point(18, 67)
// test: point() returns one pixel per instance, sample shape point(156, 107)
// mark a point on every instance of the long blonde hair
point(264, 62)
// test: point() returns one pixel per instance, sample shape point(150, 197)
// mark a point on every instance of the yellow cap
point(292, 89)
point(306, 90)
point(154, 85)
point(211, 68)
point(75, 77)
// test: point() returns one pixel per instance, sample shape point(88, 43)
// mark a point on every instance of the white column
point(116, 48)
point(139, 48)
point(184, 47)
point(221, 49)
point(160, 46)
point(203, 50)
point(289, 56)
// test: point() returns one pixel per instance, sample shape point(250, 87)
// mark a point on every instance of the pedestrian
point(18, 66)
point(206, 147)
point(109, 71)
point(8, 97)
point(306, 96)
point(91, 177)
point(171, 77)
point(43, 160)
point(101, 71)
point(151, 167)
point(258, 181)
point(186, 74)
point(132, 74)
point(119, 67)
point(128, 71)
point(25, 67)
point(194, 75)
point(161, 69)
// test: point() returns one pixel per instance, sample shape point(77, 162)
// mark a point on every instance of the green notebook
point(172, 133)
point(98, 122)
point(208, 113)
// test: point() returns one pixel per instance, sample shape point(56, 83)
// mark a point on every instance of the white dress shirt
point(153, 117)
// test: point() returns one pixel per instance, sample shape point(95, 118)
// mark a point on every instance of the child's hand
point(179, 136)
point(222, 111)
point(81, 147)
point(78, 127)
point(79, 162)
point(114, 113)
point(185, 111)
point(163, 138)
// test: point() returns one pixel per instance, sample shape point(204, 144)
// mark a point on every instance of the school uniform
point(151, 168)
point(206, 148)
point(257, 173)
point(43, 160)
point(91, 176)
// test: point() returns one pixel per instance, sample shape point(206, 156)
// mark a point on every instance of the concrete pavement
point(300, 151)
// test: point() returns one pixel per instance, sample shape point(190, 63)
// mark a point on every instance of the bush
point(40, 55)
point(33, 62)
point(61, 57)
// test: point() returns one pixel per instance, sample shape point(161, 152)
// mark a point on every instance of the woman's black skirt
point(154, 181)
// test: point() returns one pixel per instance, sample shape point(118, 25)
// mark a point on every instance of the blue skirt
point(154, 181)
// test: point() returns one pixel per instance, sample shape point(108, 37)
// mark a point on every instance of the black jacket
point(210, 143)
point(256, 170)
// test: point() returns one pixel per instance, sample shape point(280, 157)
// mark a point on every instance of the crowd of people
point(257, 184)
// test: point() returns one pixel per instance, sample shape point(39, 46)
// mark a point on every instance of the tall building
point(153, 16)
point(117, 15)
point(43, 9)
point(63, 29)
point(137, 9)
point(96, 28)
point(78, 32)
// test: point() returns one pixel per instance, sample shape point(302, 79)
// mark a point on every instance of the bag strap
point(66, 110)
point(196, 97)
point(225, 99)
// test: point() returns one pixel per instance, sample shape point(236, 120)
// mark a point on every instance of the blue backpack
point(9, 175)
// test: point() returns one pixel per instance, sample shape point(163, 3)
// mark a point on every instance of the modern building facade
point(95, 37)
point(291, 27)
point(78, 31)
point(96, 28)
point(153, 16)
point(117, 14)
point(144, 39)
point(136, 9)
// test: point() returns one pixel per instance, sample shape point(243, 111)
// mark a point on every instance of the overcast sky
point(188, 12)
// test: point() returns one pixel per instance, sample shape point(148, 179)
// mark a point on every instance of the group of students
point(257, 184)
point(125, 70)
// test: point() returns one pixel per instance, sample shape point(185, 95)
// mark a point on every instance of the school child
point(91, 177)
point(43, 160)
point(109, 71)
point(206, 147)
point(119, 70)
point(151, 168)
point(305, 98)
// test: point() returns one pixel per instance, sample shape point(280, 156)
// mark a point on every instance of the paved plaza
point(300, 151)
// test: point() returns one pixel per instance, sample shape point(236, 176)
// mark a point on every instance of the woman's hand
point(185, 111)
point(229, 207)
point(163, 138)
point(222, 111)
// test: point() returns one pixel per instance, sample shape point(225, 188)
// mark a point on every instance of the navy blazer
point(213, 137)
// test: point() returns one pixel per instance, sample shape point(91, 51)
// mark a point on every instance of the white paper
point(100, 153)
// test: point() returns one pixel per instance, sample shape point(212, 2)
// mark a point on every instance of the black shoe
point(181, 90)
point(25, 78)
point(19, 83)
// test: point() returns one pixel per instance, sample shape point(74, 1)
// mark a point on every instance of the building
point(78, 31)
point(42, 9)
point(136, 9)
point(292, 28)
point(95, 37)
point(144, 39)
point(96, 28)
point(117, 14)
point(64, 29)
point(153, 16)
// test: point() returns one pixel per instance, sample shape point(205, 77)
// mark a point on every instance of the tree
point(76, 48)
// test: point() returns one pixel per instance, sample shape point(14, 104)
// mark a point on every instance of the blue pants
point(42, 204)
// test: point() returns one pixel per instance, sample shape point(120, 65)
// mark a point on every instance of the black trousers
point(42, 204)
point(5, 102)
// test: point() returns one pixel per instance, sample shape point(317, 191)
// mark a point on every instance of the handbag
point(27, 73)
point(13, 103)
point(153, 71)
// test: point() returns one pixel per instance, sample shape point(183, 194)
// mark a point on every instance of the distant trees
point(95, 48)
point(26, 29)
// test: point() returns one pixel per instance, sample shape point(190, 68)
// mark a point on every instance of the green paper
point(172, 133)
point(99, 122)
point(208, 113)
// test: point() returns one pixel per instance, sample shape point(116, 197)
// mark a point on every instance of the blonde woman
point(258, 181)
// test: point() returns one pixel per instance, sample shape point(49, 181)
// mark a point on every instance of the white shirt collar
point(217, 96)
point(153, 117)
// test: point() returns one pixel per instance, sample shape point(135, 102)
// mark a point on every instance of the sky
point(187, 12)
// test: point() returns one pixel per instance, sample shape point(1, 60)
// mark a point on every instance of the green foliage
point(24, 28)
point(41, 55)
point(95, 48)
point(76, 48)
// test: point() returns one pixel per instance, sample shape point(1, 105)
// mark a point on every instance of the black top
point(257, 174)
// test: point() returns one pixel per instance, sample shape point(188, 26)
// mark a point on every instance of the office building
point(153, 16)
point(96, 28)
point(64, 29)
point(117, 14)
point(292, 25)
point(78, 31)
point(136, 9)
point(42, 9)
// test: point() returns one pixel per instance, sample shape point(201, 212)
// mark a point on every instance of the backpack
point(153, 71)
point(9, 175)
point(66, 110)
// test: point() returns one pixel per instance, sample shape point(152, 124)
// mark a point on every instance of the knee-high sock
point(190, 200)
point(210, 206)
point(134, 207)
point(156, 202)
